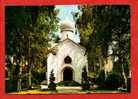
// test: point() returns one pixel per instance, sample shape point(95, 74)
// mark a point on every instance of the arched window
point(67, 60)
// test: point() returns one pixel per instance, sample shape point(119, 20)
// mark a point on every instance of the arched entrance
point(67, 74)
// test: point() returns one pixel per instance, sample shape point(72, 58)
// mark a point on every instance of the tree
point(85, 80)
point(107, 26)
point(27, 30)
point(52, 85)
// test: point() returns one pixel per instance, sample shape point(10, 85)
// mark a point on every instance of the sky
point(65, 11)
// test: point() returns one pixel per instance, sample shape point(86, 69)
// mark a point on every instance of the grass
point(65, 91)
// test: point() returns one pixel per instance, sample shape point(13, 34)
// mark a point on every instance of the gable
point(67, 41)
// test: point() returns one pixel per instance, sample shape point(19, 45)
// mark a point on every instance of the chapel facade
point(68, 57)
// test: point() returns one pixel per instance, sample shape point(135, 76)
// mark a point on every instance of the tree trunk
point(124, 76)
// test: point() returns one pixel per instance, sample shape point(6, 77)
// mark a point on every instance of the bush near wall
point(68, 83)
point(112, 82)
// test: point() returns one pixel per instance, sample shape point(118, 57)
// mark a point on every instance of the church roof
point(67, 39)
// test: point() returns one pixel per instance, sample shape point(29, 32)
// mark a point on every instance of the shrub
point(85, 85)
point(129, 84)
point(68, 83)
point(100, 80)
point(52, 86)
point(113, 81)
point(9, 86)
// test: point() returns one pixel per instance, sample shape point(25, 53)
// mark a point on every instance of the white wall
point(56, 62)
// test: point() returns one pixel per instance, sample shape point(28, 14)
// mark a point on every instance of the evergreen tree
point(52, 84)
point(85, 80)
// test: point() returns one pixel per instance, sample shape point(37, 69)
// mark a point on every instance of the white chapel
point(69, 57)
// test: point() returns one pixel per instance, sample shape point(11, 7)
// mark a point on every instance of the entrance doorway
point(68, 74)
